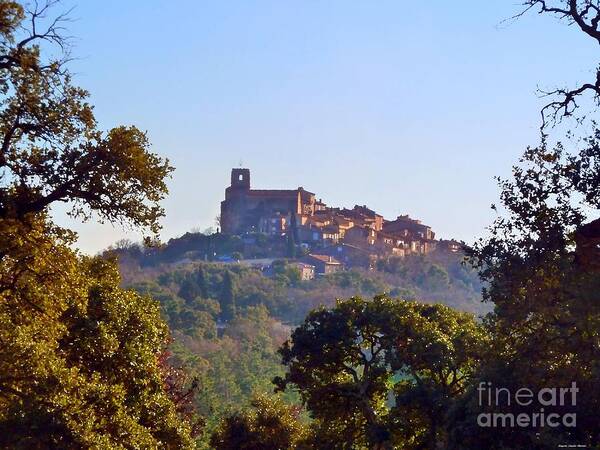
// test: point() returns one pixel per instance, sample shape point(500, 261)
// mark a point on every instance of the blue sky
point(408, 107)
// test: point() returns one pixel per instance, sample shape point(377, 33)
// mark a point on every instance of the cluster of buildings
point(334, 237)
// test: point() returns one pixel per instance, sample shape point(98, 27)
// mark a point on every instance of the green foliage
point(442, 279)
point(436, 278)
point(196, 246)
point(544, 288)
point(51, 148)
point(382, 372)
point(79, 364)
point(286, 274)
point(227, 297)
point(241, 359)
point(82, 361)
point(268, 424)
point(232, 367)
point(194, 285)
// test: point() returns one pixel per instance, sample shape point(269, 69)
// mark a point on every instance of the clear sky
point(407, 107)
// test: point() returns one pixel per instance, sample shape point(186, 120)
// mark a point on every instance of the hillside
point(229, 318)
point(438, 277)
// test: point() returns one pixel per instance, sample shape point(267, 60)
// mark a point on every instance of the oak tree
point(50, 147)
point(381, 373)
point(81, 359)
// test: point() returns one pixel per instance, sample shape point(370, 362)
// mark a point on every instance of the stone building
point(324, 264)
point(316, 226)
point(307, 271)
point(405, 226)
point(272, 211)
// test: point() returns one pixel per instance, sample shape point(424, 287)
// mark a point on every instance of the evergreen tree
point(189, 289)
point(202, 282)
point(228, 303)
point(291, 246)
point(294, 228)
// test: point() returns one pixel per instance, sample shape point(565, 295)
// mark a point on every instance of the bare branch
point(55, 31)
point(586, 15)
point(566, 105)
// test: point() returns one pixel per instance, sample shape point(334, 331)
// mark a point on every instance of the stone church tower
point(250, 210)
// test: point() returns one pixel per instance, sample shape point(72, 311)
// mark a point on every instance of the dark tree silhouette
point(202, 282)
point(228, 305)
point(585, 15)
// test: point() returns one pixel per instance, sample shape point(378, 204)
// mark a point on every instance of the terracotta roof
point(364, 210)
point(325, 258)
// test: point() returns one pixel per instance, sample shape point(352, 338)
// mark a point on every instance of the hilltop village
point(330, 238)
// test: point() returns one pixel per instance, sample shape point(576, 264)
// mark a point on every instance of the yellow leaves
point(268, 423)
point(11, 15)
point(57, 154)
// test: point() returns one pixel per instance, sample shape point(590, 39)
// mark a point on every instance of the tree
point(539, 267)
point(51, 150)
point(285, 273)
point(290, 246)
point(202, 281)
point(189, 288)
point(80, 359)
point(228, 303)
point(294, 228)
point(181, 392)
point(381, 373)
point(269, 424)
point(436, 278)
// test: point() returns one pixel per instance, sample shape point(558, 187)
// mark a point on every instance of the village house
point(364, 215)
point(307, 271)
point(324, 264)
point(351, 255)
point(450, 246)
point(361, 236)
point(405, 226)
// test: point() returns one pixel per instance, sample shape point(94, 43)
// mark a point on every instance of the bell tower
point(240, 179)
